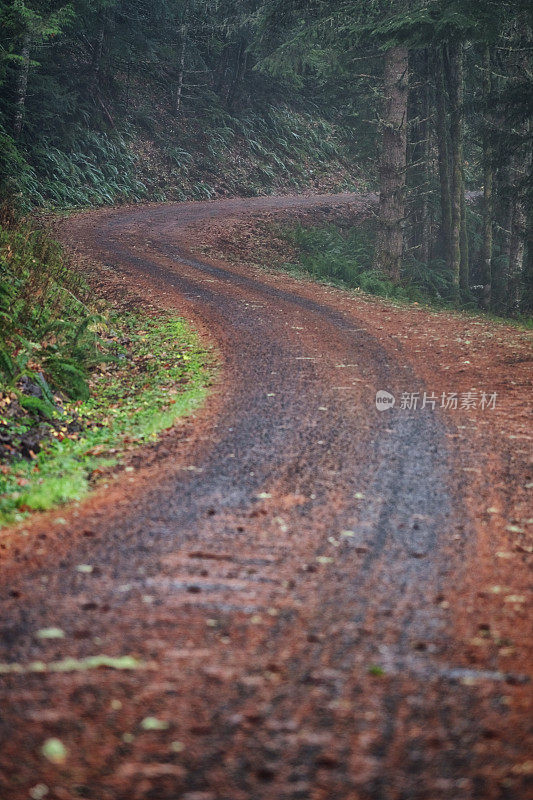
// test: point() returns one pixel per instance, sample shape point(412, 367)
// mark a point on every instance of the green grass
point(79, 382)
point(49, 323)
point(165, 376)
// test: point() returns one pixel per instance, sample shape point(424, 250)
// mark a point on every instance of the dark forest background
point(428, 102)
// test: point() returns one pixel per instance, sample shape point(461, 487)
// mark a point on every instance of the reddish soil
point(282, 657)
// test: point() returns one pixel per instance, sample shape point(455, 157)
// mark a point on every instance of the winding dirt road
point(293, 568)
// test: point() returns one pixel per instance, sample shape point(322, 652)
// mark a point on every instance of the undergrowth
point(49, 336)
point(244, 153)
point(79, 383)
point(344, 256)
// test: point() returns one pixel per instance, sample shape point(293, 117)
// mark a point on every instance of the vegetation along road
point(295, 594)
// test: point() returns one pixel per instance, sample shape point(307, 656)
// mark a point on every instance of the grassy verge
point(80, 384)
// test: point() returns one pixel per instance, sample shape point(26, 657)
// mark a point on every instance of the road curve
point(280, 572)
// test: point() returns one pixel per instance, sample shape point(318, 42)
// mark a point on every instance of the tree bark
point(22, 85)
point(520, 172)
point(517, 232)
point(488, 180)
point(392, 170)
point(443, 158)
point(527, 303)
point(464, 268)
point(455, 92)
point(181, 69)
point(418, 160)
point(516, 259)
point(424, 132)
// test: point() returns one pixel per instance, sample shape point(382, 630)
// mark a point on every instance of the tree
point(107, 72)
point(392, 169)
point(443, 148)
point(488, 180)
point(36, 26)
point(454, 72)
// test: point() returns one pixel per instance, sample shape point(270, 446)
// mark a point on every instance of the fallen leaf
point(55, 751)
point(154, 724)
point(515, 598)
point(74, 665)
point(39, 791)
point(525, 768)
point(50, 633)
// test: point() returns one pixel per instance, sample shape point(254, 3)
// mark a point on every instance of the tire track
point(277, 586)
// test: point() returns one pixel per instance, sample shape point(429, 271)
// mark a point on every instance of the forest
point(429, 103)
point(266, 315)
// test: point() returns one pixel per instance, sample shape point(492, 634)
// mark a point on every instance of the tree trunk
point(517, 231)
point(443, 158)
point(464, 269)
point(516, 258)
point(418, 177)
point(527, 303)
point(237, 73)
point(181, 70)
point(22, 85)
point(425, 222)
point(488, 180)
point(504, 225)
point(520, 171)
point(455, 92)
point(393, 164)
point(98, 49)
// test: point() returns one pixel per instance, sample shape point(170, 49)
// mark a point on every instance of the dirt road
point(299, 577)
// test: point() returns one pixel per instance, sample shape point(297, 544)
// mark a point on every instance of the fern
point(48, 332)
